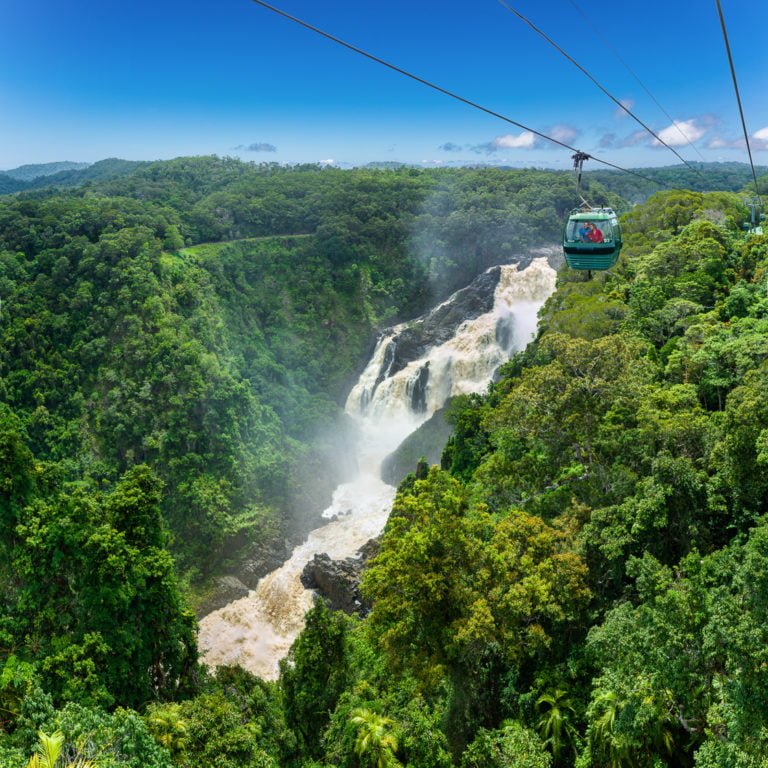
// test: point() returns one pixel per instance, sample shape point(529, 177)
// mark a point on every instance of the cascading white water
point(256, 631)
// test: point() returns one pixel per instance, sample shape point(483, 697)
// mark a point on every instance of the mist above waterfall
point(416, 366)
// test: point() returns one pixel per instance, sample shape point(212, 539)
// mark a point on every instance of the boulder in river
point(260, 562)
point(338, 581)
point(225, 590)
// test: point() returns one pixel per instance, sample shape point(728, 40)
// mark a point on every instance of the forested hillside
point(38, 170)
point(63, 175)
point(582, 581)
point(697, 177)
point(221, 365)
point(585, 572)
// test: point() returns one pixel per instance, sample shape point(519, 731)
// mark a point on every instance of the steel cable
point(445, 91)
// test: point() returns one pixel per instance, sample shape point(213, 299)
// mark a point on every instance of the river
point(394, 395)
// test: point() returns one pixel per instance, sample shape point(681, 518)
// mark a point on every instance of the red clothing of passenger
point(595, 236)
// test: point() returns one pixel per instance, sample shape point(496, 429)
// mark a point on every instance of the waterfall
point(414, 369)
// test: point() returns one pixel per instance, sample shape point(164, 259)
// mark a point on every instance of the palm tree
point(619, 748)
point(168, 727)
point(375, 743)
point(48, 752)
point(605, 740)
point(555, 722)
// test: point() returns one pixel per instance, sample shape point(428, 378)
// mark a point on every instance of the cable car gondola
point(753, 226)
point(591, 236)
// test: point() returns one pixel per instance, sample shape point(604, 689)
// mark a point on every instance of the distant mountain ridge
point(730, 176)
point(36, 170)
point(702, 177)
point(99, 171)
point(65, 174)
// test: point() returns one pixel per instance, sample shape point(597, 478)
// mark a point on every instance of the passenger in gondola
point(595, 234)
point(584, 232)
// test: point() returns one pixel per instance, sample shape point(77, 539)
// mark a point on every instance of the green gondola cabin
point(592, 238)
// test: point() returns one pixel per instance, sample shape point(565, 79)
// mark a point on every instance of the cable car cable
point(446, 92)
point(738, 96)
point(594, 80)
point(629, 69)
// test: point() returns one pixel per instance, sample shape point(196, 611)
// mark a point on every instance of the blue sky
point(85, 80)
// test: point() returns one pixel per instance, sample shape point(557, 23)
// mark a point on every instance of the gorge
point(416, 367)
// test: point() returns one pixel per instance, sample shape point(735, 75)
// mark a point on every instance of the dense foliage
point(695, 176)
point(63, 175)
point(582, 582)
point(221, 365)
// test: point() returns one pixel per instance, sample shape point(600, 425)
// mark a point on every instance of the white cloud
point(761, 139)
point(620, 113)
point(635, 138)
point(758, 141)
point(564, 133)
point(524, 140)
point(680, 133)
point(258, 146)
point(718, 142)
point(329, 161)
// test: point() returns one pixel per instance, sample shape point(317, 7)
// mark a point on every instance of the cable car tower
point(591, 236)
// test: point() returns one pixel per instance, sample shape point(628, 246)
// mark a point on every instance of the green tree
point(314, 675)
point(48, 754)
point(168, 727)
point(608, 744)
point(512, 746)
point(17, 474)
point(375, 743)
point(459, 596)
point(109, 625)
point(555, 723)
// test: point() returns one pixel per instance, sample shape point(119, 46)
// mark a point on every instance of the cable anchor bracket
point(578, 161)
